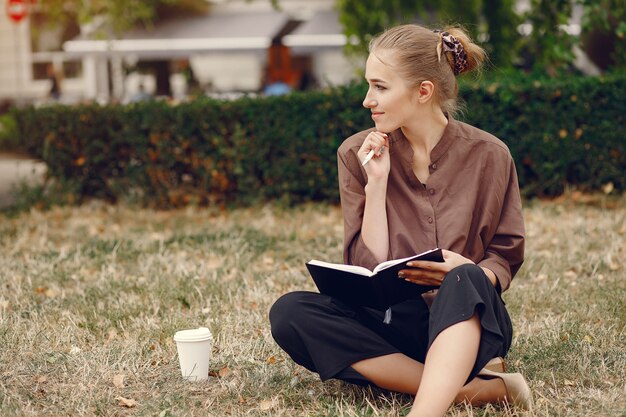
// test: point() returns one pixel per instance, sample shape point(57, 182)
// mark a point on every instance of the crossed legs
point(441, 379)
point(319, 333)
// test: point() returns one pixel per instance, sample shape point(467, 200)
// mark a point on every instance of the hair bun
point(475, 54)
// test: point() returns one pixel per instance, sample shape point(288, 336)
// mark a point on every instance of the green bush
point(8, 135)
point(560, 131)
point(207, 151)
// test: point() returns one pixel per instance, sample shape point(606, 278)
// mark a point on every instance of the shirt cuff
point(361, 255)
point(500, 269)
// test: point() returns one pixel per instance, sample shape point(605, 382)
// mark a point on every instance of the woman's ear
point(425, 91)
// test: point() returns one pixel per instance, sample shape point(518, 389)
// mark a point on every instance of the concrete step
point(15, 170)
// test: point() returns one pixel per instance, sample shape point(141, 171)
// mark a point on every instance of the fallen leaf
point(48, 292)
point(111, 334)
point(41, 379)
point(74, 350)
point(608, 188)
point(213, 263)
point(587, 338)
point(271, 360)
point(224, 372)
point(570, 274)
point(267, 404)
point(569, 383)
point(118, 380)
point(126, 402)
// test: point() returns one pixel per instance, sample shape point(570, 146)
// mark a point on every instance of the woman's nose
point(369, 102)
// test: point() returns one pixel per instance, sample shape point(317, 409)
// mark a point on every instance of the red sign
point(17, 10)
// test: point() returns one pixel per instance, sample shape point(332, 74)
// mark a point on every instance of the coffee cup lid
point(193, 335)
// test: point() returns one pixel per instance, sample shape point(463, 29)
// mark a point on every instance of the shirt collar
point(399, 142)
point(449, 134)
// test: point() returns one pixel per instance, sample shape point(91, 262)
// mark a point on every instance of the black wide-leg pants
point(327, 336)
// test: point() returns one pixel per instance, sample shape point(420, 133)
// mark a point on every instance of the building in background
point(318, 44)
point(240, 47)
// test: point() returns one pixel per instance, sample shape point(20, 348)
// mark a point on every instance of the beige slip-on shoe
point(518, 392)
point(496, 365)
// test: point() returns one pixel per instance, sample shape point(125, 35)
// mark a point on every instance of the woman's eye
point(380, 87)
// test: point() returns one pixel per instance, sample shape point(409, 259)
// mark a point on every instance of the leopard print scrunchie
point(449, 43)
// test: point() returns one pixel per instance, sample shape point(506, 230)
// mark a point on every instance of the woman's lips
point(376, 114)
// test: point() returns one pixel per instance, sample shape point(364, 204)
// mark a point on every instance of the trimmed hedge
point(560, 132)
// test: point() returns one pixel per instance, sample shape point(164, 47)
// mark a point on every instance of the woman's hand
point(379, 165)
point(432, 273)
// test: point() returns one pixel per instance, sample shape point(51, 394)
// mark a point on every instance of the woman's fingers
point(428, 265)
point(420, 273)
point(374, 141)
point(424, 281)
point(422, 276)
point(379, 138)
point(432, 273)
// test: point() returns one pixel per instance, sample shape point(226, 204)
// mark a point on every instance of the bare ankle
point(479, 392)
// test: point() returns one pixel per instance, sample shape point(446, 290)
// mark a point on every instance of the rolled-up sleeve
point(504, 255)
point(352, 193)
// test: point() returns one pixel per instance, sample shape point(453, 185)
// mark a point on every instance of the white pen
point(370, 155)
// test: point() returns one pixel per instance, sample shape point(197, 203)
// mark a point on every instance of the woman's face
point(392, 102)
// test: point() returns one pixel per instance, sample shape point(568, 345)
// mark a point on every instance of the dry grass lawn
point(91, 297)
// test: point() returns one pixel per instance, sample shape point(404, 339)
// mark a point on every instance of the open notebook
point(380, 288)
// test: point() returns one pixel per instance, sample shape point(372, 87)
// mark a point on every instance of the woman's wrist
point(375, 185)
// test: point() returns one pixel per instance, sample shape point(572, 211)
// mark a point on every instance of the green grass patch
point(93, 292)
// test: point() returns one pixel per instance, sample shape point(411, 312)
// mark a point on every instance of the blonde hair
point(414, 55)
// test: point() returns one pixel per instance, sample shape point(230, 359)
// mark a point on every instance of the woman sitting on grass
point(433, 182)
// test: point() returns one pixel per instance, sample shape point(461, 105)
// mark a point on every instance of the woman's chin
point(379, 126)
point(385, 127)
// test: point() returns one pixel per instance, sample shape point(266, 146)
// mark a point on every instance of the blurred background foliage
point(495, 24)
point(564, 129)
point(565, 132)
point(112, 17)
point(548, 47)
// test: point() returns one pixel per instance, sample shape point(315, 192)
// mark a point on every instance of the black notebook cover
point(380, 291)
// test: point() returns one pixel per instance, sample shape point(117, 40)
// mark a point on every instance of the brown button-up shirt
point(470, 203)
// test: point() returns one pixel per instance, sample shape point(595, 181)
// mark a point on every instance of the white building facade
point(227, 51)
point(15, 68)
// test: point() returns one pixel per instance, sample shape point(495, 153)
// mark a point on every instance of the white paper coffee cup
point(194, 352)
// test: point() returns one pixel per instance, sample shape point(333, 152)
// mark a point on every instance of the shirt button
point(431, 191)
point(430, 220)
point(434, 166)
